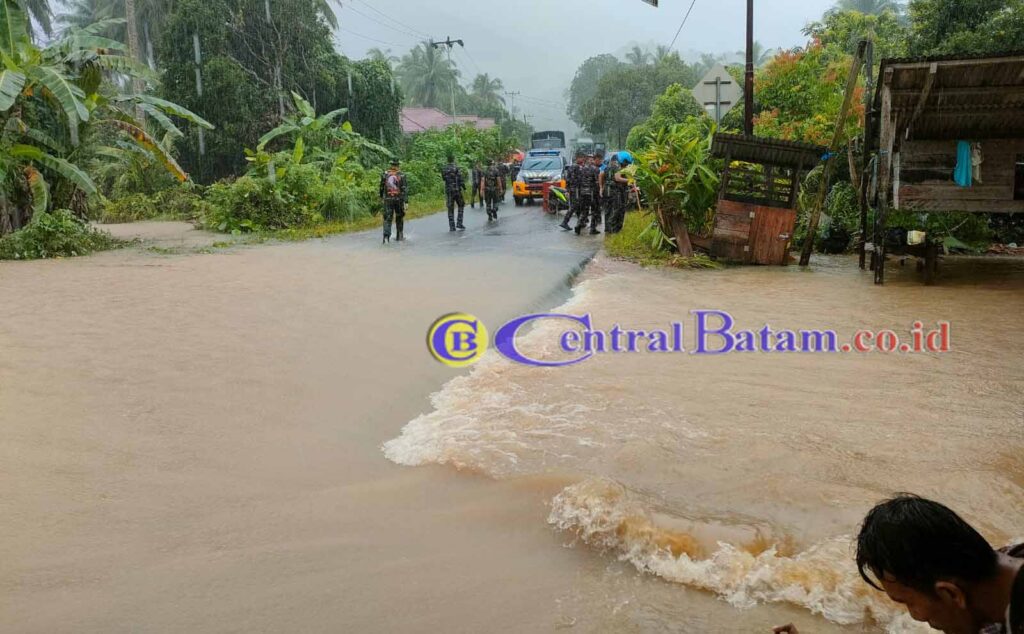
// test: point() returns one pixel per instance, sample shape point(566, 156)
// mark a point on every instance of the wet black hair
point(451, 158)
point(918, 542)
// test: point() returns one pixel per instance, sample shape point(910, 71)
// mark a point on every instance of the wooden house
point(757, 202)
point(934, 114)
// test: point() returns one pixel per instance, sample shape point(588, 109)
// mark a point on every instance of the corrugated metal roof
point(753, 149)
point(971, 97)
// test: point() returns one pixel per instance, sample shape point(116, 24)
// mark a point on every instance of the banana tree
point(680, 180)
point(52, 97)
point(318, 140)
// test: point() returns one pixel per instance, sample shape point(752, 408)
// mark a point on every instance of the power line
point(403, 24)
point(372, 39)
point(384, 24)
point(685, 18)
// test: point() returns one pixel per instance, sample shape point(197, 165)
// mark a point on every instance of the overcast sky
point(535, 46)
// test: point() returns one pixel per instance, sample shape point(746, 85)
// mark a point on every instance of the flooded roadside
point(193, 443)
point(744, 475)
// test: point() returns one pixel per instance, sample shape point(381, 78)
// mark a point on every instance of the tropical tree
point(638, 56)
point(427, 76)
point(488, 90)
point(584, 84)
point(869, 7)
point(380, 55)
point(957, 27)
point(59, 108)
point(680, 180)
point(762, 55)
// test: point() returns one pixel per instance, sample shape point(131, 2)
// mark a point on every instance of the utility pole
point(512, 101)
point(449, 44)
point(748, 88)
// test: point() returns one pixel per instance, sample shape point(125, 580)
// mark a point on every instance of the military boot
point(458, 224)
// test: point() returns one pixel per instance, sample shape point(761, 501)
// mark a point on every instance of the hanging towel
point(964, 173)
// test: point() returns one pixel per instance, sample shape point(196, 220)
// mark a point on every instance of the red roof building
point(422, 119)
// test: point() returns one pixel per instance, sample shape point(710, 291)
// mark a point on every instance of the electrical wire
point(685, 18)
point(400, 23)
point(381, 23)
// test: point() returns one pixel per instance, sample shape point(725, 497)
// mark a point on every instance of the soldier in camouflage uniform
point(615, 204)
point(394, 191)
point(454, 185)
point(572, 183)
point(491, 186)
point(589, 210)
point(478, 177)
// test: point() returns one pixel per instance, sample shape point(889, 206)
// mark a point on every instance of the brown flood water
point(194, 443)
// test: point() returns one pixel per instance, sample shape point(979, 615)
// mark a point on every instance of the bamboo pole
point(837, 138)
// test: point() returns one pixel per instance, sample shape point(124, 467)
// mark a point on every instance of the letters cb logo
point(457, 340)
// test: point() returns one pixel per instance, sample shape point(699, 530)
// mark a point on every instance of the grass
point(418, 207)
point(636, 243)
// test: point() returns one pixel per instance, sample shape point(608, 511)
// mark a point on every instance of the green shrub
point(129, 208)
point(56, 234)
point(251, 204)
point(184, 202)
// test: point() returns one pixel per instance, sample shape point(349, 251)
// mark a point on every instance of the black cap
point(395, 161)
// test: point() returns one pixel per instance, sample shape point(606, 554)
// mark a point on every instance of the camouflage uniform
point(478, 175)
point(588, 186)
point(572, 183)
point(492, 190)
point(615, 209)
point(454, 185)
point(394, 190)
point(503, 168)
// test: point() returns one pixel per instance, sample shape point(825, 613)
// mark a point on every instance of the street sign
point(717, 93)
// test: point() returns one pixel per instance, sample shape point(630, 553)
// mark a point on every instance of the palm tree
point(427, 76)
point(379, 55)
point(664, 53)
point(868, 7)
point(488, 90)
point(762, 55)
point(638, 56)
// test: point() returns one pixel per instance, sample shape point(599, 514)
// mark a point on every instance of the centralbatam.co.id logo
point(459, 339)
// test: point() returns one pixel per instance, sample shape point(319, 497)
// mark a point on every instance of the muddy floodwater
point(258, 440)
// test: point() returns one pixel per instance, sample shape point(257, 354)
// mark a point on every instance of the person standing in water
point(394, 191)
point(454, 185)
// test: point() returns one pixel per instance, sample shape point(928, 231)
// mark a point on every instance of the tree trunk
point(854, 169)
point(675, 226)
point(135, 51)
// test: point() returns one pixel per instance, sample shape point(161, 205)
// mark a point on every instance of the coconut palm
point(638, 56)
point(379, 55)
point(664, 53)
point(488, 90)
point(427, 76)
point(762, 55)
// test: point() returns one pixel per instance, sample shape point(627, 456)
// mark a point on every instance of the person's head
point(928, 558)
point(490, 162)
point(451, 157)
point(395, 163)
point(614, 160)
point(580, 158)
